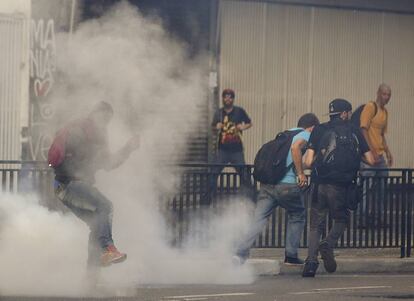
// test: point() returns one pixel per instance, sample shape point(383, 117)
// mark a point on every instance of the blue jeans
point(288, 196)
point(92, 207)
point(374, 181)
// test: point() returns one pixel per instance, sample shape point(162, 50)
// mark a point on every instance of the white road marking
point(352, 288)
point(364, 276)
point(324, 290)
point(207, 296)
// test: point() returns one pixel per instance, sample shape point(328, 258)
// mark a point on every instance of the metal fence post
point(404, 214)
point(409, 211)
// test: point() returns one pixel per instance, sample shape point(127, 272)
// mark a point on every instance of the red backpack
point(57, 150)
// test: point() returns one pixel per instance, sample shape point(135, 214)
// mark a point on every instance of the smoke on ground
point(41, 252)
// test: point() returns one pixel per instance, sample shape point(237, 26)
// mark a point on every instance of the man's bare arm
point(390, 159)
point(364, 132)
point(368, 158)
point(309, 158)
point(297, 160)
point(115, 160)
point(244, 126)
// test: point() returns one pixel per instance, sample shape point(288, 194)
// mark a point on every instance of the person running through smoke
point(78, 151)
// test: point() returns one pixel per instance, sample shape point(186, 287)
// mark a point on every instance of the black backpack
point(356, 115)
point(270, 161)
point(338, 156)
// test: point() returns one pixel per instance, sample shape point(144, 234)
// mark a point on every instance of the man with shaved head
point(374, 126)
point(374, 123)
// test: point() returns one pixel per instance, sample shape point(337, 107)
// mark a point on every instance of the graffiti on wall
point(42, 72)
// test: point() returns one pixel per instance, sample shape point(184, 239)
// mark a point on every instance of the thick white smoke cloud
point(41, 252)
point(131, 62)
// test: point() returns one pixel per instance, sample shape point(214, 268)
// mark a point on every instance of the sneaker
point(293, 261)
point(112, 255)
point(327, 256)
point(310, 268)
point(238, 260)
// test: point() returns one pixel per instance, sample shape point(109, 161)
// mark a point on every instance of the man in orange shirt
point(374, 121)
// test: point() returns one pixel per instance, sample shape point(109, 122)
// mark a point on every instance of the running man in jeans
point(287, 194)
point(86, 151)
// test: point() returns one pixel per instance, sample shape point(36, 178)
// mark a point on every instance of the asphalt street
point(277, 288)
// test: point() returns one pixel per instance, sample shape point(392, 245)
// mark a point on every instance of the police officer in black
point(335, 150)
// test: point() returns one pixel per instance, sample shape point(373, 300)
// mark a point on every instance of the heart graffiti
point(42, 87)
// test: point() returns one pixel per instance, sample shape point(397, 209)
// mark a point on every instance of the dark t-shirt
point(229, 136)
point(314, 144)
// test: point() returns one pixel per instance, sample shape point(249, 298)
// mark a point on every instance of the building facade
point(283, 58)
point(286, 58)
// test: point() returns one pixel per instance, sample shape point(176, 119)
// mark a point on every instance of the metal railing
point(382, 220)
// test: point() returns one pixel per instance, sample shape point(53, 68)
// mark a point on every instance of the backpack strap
point(376, 108)
point(376, 111)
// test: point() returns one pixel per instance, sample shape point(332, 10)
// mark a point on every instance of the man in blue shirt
point(287, 194)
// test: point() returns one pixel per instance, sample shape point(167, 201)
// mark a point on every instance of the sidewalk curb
point(264, 267)
point(271, 267)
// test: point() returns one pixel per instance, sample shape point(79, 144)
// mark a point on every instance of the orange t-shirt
point(376, 125)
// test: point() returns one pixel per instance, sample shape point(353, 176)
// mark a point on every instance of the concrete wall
point(14, 74)
point(15, 7)
point(28, 29)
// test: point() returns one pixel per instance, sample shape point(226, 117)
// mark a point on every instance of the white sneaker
point(237, 260)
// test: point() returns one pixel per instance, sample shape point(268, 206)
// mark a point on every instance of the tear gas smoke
point(131, 62)
point(41, 252)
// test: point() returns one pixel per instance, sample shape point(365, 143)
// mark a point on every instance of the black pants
point(332, 198)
